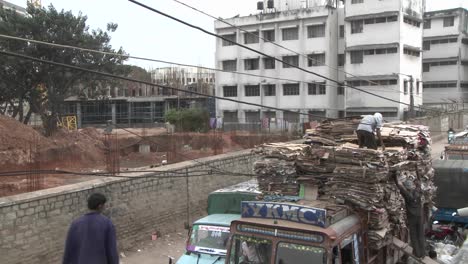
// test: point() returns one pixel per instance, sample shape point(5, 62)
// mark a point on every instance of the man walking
point(365, 131)
point(91, 238)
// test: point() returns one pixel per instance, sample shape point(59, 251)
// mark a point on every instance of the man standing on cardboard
point(365, 131)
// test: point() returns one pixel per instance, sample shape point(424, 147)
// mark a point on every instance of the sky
point(143, 33)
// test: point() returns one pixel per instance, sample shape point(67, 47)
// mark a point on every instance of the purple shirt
point(91, 240)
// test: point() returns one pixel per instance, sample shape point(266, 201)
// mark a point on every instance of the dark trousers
point(366, 139)
point(417, 238)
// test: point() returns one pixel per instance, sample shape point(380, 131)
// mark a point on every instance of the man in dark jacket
point(91, 238)
point(412, 194)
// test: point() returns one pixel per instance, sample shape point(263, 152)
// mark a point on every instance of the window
point(380, 20)
point(291, 89)
point(369, 52)
point(465, 41)
point(381, 51)
point(418, 82)
point(269, 89)
point(268, 63)
point(230, 65)
point(427, 24)
point(229, 38)
point(268, 35)
point(316, 31)
point(316, 59)
point(392, 18)
point(372, 82)
point(356, 26)
point(411, 52)
point(412, 22)
point(426, 45)
point(341, 59)
point(357, 57)
point(290, 117)
point(293, 60)
point(392, 50)
point(440, 85)
point(357, 1)
point(340, 90)
point(300, 254)
point(269, 114)
point(426, 67)
point(252, 117)
point(341, 31)
point(230, 117)
point(252, 90)
point(251, 37)
point(369, 21)
point(251, 64)
point(449, 21)
point(230, 91)
point(290, 33)
point(405, 87)
point(316, 88)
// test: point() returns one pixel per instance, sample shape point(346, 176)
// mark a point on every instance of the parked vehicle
point(209, 235)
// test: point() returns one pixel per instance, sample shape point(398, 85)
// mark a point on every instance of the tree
point(43, 86)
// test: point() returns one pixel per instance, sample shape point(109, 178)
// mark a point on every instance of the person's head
point(96, 202)
point(433, 254)
point(409, 184)
point(378, 117)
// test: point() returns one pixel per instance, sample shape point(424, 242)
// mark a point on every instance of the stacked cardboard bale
point(361, 178)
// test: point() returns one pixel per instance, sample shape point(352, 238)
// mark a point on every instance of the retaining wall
point(33, 226)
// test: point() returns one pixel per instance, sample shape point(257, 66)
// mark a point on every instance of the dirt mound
point(19, 144)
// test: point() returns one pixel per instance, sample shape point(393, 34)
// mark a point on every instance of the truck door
point(349, 251)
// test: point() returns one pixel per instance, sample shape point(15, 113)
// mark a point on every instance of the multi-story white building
point(383, 45)
point(362, 40)
point(7, 5)
point(445, 60)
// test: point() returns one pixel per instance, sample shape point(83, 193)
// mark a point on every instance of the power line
point(266, 55)
point(12, 54)
point(276, 44)
point(163, 61)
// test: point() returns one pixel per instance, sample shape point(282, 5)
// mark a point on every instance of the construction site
point(75, 155)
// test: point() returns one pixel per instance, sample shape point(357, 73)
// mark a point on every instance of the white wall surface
point(441, 73)
point(376, 6)
point(438, 29)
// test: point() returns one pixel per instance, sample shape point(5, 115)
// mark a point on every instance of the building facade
point(445, 60)
point(7, 5)
point(372, 45)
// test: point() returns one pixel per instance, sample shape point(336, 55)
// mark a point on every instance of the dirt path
point(157, 252)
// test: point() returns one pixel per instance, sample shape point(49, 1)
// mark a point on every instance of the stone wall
point(33, 226)
point(440, 124)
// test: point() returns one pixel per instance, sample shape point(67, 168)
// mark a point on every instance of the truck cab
point(281, 233)
point(208, 236)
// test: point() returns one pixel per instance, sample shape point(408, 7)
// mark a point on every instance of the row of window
point(440, 85)
point(357, 26)
point(373, 83)
point(427, 43)
point(313, 31)
point(411, 52)
point(317, 88)
point(448, 22)
point(317, 59)
point(427, 65)
point(254, 116)
point(357, 56)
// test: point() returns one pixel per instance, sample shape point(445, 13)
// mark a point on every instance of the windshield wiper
point(218, 258)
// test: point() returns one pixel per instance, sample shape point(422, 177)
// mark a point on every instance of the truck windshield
point(250, 250)
point(299, 254)
point(209, 239)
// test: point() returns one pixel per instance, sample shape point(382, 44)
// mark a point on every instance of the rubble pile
point(358, 177)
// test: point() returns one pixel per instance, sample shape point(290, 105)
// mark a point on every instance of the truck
point(318, 232)
point(451, 179)
point(208, 236)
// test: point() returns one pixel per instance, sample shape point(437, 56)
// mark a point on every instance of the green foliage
point(21, 77)
point(188, 120)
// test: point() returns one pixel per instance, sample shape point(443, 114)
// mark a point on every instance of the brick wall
point(33, 226)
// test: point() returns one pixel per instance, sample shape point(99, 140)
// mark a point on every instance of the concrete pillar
point(114, 113)
point(152, 111)
point(78, 115)
point(129, 113)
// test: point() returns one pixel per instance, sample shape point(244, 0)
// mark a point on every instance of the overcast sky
point(146, 34)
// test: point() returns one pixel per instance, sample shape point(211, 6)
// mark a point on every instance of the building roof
point(373, 46)
point(375, 15)
point(444, 12)
point(218, 219)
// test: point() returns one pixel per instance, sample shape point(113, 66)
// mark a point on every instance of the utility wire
point(170, 62)
point(13, 54)
point(278, 45)
point(266, 55)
